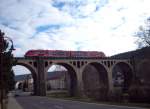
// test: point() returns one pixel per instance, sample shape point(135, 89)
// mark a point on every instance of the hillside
point(137, 54)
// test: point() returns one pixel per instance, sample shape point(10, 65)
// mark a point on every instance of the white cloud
point(19, 70)
point(102, 25)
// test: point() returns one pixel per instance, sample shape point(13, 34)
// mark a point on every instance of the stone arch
point(125, 62)
point(33, 73)
point(122, 74)
point(26, 66)
point(72, 79)
point(97, 85)
point(17, 85)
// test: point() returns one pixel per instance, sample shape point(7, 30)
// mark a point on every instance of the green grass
point(58, 94)
point(64, 95)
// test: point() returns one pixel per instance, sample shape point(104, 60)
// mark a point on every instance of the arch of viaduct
point(76, 68)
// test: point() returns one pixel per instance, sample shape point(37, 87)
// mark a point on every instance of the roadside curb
point(12, 103)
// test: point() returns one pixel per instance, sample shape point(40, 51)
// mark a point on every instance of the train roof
point(62, 50)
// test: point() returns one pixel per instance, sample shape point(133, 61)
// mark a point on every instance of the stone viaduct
point(106, 68)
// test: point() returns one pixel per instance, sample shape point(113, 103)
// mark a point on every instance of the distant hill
point(51, 75)
point(21, 77)
point(55, 74)
point(137, 54)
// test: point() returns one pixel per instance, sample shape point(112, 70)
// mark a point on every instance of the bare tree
point(144, 34)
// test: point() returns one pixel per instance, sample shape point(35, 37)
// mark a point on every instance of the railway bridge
point(78, 68)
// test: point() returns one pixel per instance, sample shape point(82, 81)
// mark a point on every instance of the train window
point(50, 53)
point(60, 53)
point(54, 53)
point(38, 52)
point(80, 53)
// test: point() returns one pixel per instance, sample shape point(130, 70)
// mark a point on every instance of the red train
point(64, 54)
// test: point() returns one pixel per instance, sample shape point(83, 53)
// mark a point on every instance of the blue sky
point(100, 25)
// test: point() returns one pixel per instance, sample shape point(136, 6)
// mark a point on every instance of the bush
point(139, 94)
point(116, 95)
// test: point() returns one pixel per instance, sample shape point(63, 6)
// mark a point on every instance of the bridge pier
point(35, 85)
point(80, 84)
point(110, 79)
point(41, 82)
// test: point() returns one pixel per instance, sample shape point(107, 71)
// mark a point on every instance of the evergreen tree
point(7, 63)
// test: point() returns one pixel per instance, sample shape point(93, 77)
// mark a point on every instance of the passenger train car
point(64, 54)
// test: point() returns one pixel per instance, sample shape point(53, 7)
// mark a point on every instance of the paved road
point(35, 102)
